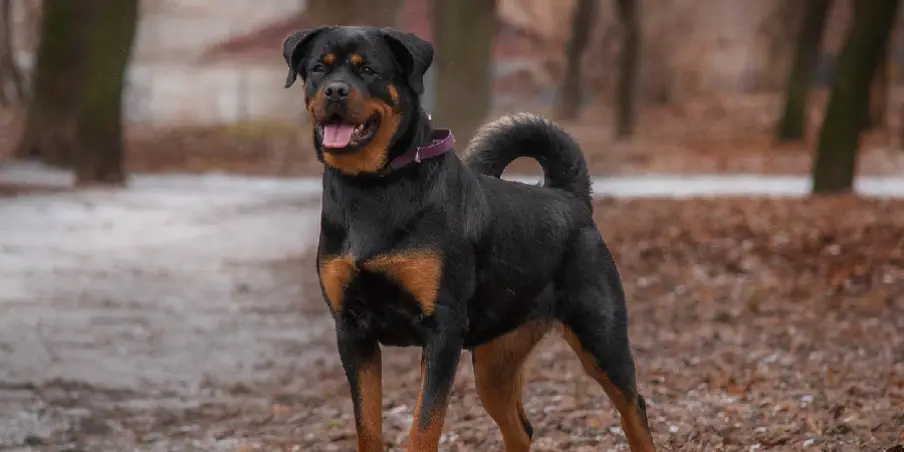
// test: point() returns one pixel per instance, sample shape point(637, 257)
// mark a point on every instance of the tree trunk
point(110, 36)
point(793, 122)
point(51, 113)
point(12, 89)
point(878, 95)
point(879, 88)
point(839, 138)
point(377, 13)
point(901, 137)
point(463, 37)
point(569, 101)
point(625, 114)
point(779, 28)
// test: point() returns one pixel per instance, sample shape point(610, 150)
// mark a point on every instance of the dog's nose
point(336, 91)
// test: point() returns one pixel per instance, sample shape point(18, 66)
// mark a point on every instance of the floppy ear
point(413, 54)
point(295, 51)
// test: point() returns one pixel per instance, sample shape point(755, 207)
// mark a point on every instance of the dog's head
point(362, 88)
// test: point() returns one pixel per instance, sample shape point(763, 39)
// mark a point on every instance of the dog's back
point(543, 241)
point(526, 229)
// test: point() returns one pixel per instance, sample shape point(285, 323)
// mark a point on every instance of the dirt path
point(157, 297)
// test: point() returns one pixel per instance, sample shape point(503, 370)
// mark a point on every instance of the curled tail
point(500, 142)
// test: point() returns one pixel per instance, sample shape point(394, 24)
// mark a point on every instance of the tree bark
point(463, 36)
point(780, 27)
point(110, 34)
point(50, 120)
point(839, 138)
point(901, 137)
point(878, 95)
point(626, 114)
point(568, 104)
point(793, 122)
point(874, 115)
point(12, 88)
point(377, 13)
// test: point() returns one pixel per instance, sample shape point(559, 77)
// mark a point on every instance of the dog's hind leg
point(618, 382)
point(499, 378)
point(595, 319)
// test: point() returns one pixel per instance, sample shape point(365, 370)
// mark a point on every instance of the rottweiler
point(419, 247)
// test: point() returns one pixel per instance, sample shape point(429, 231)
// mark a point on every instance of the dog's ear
point(295, 51)
point(413, 54)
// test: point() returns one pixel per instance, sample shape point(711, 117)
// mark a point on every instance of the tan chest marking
point(417, 271)
point(336, 273)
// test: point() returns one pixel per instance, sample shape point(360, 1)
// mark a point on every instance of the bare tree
point(878, 95)
point(568, 103)
point(463, 36)
point(878, 92)
point(110, 35)
point(626, 114)
point(51, 113)
point(793, 122)
point(839, 138)
point(779, 28)
point(74, 117)
point(12, 88)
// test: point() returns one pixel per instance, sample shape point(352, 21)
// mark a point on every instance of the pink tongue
point(337, 135)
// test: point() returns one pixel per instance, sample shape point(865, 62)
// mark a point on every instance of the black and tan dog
point(418, 248)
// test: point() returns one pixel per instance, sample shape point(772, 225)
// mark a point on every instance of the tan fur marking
point(372, 157)
point(498, 373)
point(336, 272)
point(394, 94)
point(315, 106)
point(425, 439)
point(356, 59)
point(418, 271)
point(370, 386)
point(329, 58)
point(632, 419)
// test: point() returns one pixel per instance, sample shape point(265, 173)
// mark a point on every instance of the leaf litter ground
point(757, 324)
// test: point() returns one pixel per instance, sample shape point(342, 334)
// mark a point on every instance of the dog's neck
point(423, 131)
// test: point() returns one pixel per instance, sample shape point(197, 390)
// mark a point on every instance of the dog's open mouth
point(337, 134)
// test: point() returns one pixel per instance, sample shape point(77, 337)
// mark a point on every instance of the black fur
point(511, 253)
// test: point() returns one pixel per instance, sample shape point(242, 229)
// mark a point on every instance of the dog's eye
point(366, 70)
point(317, 67)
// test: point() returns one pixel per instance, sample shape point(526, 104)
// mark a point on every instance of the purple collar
point(443, 141)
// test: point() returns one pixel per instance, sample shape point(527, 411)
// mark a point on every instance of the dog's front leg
point(363, 366)
point(442, 350)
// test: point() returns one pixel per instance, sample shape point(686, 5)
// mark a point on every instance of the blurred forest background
point(668, 86)
point(182, 312)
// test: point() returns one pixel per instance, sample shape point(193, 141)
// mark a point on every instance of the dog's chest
point(388, 294)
